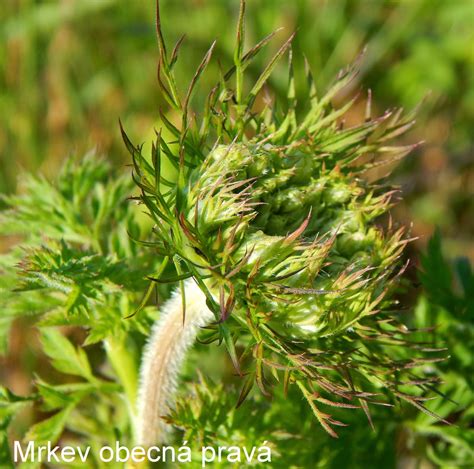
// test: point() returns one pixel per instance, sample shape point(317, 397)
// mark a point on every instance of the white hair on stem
point(163, 358)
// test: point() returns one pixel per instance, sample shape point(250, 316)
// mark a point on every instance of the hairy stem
point(164, 355)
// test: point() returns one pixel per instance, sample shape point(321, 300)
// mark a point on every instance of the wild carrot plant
point(276, 237)
point(271, 235)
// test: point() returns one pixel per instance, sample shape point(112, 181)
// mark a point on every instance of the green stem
point(125, 367)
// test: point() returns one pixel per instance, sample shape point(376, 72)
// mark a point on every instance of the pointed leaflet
point(238, 54)
point(267, 72)
point(230, 346)
point(64, 356)
point(49, 430)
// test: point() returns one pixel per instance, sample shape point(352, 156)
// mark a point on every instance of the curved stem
point(164, 355)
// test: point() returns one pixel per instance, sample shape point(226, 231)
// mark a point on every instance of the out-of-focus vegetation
point(70, 68)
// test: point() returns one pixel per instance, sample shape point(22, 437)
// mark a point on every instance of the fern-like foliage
point(76, 265)
point(278, 216)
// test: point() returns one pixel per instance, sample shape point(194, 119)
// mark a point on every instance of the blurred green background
point(69, 69)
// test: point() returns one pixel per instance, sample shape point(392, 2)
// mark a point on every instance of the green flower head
point(276, 215)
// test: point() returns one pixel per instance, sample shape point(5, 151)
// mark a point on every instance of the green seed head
point(274, 217)
point(298, 236)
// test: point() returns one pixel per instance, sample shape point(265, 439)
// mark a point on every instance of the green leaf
point(65, 357)
point(230, 346)
point(5, 455)
point(268, 71)
point(10, 404)
point(53, 398)
point(49, 430)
